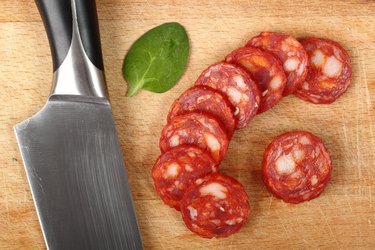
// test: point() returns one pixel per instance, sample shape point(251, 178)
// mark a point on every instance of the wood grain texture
point(342, 218)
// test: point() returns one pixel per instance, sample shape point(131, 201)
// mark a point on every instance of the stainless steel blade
point(77, 175)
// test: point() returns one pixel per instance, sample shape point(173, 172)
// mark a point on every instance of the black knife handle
point(57, 16)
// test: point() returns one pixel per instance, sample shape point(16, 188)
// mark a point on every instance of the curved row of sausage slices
point(226, 96)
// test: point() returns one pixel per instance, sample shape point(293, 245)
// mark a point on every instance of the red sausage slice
point(216, 206)
point(296, 167)
point(206, 99)
point(200, 129)
point(237, 85)
point(178, 168)
point(266, 71)
point(291, 54)
point(329, 71)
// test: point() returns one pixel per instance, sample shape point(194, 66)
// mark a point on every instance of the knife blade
point(70, 149)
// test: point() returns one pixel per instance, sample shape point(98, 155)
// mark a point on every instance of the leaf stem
point(133, 89)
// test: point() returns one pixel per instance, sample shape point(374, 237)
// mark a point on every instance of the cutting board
point(342, 217)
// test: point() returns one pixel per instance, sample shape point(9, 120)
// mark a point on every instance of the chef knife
point(70, 148)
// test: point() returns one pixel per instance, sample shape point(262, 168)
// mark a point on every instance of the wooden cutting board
point(342, 217)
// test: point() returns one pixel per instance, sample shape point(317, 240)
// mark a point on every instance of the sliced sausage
point(291, 54)
point(216, 206)
point(237, 85)
point(266, 71)
point(200, 129)
point(296, 166)
point(206, 99)
point(329, 71)
point(178, 168)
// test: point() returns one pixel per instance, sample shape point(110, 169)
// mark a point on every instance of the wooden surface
point(342, 218)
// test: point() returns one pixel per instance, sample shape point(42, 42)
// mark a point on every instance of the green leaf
point(157, 60)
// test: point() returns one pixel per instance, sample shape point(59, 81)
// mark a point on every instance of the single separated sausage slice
point(296, 166)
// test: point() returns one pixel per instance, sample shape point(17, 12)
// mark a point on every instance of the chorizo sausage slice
point(266, 71)
point(329, 71)
point(291, 54)
point(206, 99)
point(175, 170)
point(197, 128)
point(216, 206)
point(296, 166)
point(237, 85)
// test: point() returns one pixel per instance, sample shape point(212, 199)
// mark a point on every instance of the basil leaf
point(157, 60)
